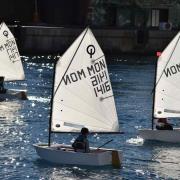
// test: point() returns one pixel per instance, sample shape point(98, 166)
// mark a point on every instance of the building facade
point(163, 14)
point(157, 14)
point(120, 26)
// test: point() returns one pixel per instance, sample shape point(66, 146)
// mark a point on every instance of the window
point(155, 18)
point(159, 16)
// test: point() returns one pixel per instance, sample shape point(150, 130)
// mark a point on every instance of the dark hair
point(84, 131)
point(1, 78)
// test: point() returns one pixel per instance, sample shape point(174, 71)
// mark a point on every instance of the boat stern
point(161, 135)
point(19, 94)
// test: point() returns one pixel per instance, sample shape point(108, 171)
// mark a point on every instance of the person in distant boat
point(2, 89)
point(162, 124)
point(81, 143)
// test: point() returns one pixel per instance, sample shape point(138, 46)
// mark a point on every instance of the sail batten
point(11, 66)
point(167, 96)
point(83, 94)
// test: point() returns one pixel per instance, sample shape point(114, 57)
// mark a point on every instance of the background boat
point(11, 66)
point(166, 101)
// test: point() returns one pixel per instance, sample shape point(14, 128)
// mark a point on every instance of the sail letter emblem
point(5, 33)
point(91, 50)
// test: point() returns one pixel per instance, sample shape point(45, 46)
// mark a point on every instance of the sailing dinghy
point(166, 93)
point(82, 97)
point(10, 63)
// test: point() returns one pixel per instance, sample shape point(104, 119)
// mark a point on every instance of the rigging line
point(166, 64)
point(70, 62)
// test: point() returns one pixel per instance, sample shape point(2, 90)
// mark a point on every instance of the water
point(23, 123)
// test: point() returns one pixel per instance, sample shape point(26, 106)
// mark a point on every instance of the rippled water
point(23, 123)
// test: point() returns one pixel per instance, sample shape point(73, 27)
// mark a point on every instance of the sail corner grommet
point(58, 125)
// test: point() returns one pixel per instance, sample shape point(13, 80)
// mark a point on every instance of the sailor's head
point(1, 78)
point(84, 131)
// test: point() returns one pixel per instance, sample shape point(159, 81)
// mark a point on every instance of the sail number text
point(11, 48)
point(172, 70)
point(95, 73)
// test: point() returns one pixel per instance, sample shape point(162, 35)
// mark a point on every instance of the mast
point(52, 96)
point(152, 116)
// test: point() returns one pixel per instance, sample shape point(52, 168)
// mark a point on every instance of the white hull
point(14, 94)
point(161, 135)
point(64, 154)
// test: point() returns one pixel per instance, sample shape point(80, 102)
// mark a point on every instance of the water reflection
point(166, 162)
point(138, 141)
point(11, 122)
point(23, 123)
point(9, 109)
point(39, 99)
point(77, 173)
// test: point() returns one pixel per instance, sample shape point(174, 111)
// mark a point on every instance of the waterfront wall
point(55, 40)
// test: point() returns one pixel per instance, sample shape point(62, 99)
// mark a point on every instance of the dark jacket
point(81, 143)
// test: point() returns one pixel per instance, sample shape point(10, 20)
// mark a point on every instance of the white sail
point(167, 91)
point(83, 94)
point(10, 62)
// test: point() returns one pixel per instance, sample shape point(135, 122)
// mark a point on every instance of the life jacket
point(79, 143)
